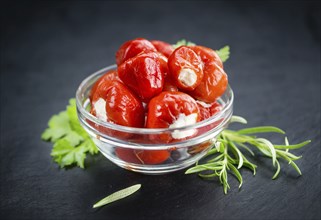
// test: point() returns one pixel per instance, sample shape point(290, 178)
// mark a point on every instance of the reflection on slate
point(48, 48)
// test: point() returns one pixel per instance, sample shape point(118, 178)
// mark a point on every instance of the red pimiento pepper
point(169, 84)
point(163, 63)
point(122, 106)
point(214, 82)
point(142, 156)
point(208, 110)
point(109, 76)
point(144, 74)
point(215, 108)
point(207, 55)
point(100, 92)
point(200, 147)
point(185, 68)
point(165, 48)
point(127, 155)
point(133, 47)
point(167, 109)
point(152, 156)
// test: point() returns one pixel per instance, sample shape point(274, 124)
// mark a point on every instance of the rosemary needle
point(117, 195)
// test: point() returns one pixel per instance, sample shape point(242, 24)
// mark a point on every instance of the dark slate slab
point(47, 48)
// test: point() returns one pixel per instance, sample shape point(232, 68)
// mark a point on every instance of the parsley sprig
point(224, 53)
point(226, 155)
point(71, 141)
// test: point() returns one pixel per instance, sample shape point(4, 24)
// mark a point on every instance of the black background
point(48, 48)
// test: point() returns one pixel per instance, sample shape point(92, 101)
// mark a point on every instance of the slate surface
point(47, 48)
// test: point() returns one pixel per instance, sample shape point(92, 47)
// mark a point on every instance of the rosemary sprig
point(226, 155)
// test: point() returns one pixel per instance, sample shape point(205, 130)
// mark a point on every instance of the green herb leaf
point(73, 118)
point(58, 127)
point(117, 195)
point(238, 153)
point(270, 146)
point(183, 42)
point(238, 119)
point(73, 138)
point(196, 169)
point(224, 53)
point(61, 148)
point(236, 173)
point(71, 142)
point(261, 129)
point(68, 154)
point(277, 170)
point(292, 146)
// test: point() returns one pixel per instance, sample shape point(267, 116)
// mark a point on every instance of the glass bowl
point(125, 146)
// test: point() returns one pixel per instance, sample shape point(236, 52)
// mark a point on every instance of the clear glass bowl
point(122, 145)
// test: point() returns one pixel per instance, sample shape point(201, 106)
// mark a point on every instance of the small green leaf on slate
point(117, 195)
point(71, 142)
point(58, 127)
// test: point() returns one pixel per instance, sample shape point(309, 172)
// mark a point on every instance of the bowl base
point(152, 169)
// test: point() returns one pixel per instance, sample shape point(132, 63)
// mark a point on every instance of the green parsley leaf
point(183, 42)
point(71, 141)
point(58, 127)
point(67, 154)
point(61, 148)
point(90, 146)
point(74, 138)
point(73, 118)
point(224, 53)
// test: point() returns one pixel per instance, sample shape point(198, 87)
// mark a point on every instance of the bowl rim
point(122, 128)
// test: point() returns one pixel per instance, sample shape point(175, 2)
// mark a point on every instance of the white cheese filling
point(100, 108)
point(188, 77)
point(164, 58)
point(181, 121)
point(205, 105)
